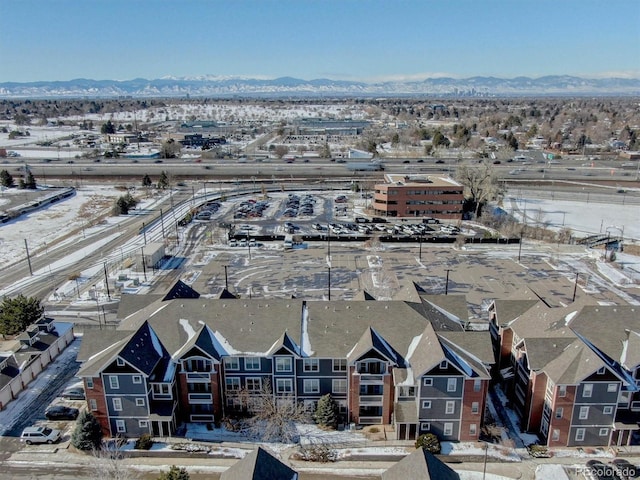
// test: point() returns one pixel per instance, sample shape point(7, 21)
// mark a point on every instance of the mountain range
point(215, 86)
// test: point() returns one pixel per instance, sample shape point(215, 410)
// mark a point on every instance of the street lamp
point(95, 297)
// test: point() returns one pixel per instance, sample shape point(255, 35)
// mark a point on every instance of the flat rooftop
point(417, 180)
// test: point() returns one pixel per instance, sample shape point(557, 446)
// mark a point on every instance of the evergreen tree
point(326, 414)
point(429, 442)
point(164, 180)
point(87, 434)
point(30, 181)
point(19, 312)
point(175, 473)
point(107, 128)
point(146, 180)
point(6, 180)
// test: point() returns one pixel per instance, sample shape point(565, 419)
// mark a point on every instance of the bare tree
point(108, 464)
point(480, 181)
point(274, 416)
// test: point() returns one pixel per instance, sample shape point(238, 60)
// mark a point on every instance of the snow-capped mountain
point(210, 85)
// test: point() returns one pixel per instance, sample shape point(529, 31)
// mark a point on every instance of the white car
point(32, 435)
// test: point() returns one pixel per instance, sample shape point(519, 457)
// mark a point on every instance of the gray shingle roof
point(259, 465)
point(420, 464)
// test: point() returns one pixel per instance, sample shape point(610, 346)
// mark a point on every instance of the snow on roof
point(187, 328)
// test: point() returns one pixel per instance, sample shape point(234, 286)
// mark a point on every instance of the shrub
point(374, 430)
point(429, 442)
point(144, 442)
point(326, 414)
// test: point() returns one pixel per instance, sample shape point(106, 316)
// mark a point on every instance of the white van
point(32, 435)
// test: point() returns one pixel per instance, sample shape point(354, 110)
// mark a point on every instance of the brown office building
point(418, 196)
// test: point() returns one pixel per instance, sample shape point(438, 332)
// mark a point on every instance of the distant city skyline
point(367, 40)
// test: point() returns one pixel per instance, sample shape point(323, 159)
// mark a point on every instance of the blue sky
point(368, 40)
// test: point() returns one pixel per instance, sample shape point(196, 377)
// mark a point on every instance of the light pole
point(95, 297)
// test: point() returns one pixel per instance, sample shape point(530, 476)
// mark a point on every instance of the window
point(231, 363)
point(476, 385)
point(473, 429)
point(283, 364)
point(580, 435)
point(562, 391)
point(587, 390)
point(233, 384)
point(452, 384)
point(603, 432)
point(426, 404)
point(443, 365)
point(117, 404)
point(342, 406)
point(450, 407)
point(425, 426)
point(312, 385)
point(139, 402)
point(89, 382)
point(407, 392)
point(93, 404)
point(339, 364)
point(137, 379)
point(607, 410)
point(601, 371)
point(475, 407)
point(120, 426)
point(555, 435)
point(339, 386)
point(559, 412)
point(284, 385)
point(113, 382)
point(427, 382)
point(253, 384)
point(120, 362)
point(310, 365)
point(448, 429)
point(612, 387)
point(584, 413)
point(143, 423)
point(252, 363)
point(161, 389)
point(623, 397)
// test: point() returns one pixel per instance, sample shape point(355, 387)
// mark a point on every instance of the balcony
point(200, 398)
point(193, 377)
point(370, 420)
point(366, 379)
point(371, 400)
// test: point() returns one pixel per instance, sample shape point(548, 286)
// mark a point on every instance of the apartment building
point(418, 196)
point(571, 372)
point(197, 360)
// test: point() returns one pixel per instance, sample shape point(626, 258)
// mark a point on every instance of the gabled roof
point(540, 351)
point(130, 304)
point(438, 311)
point(226, 294)
point(205, 341)
point(372, 340)
point(420, 464)
point(576, 362)
point(143, 350)
point(509, 310)
point(9, 371)
point(286, 342)
point(464, 360)
point(181, 290)
point(259, 465)
point(95, 341)
point(608, 328)
point(542, 321)
point(427, 353)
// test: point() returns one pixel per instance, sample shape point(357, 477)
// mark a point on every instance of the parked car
point(61, 412)
point(74, 393)
point(32, 435)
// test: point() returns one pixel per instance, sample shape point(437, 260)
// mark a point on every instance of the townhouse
point(570, 372)
point(177, 360)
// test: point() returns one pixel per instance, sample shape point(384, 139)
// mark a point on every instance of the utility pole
point(144, 232)
point(106, 280)
point(162, 223)
point(420, 237)
point(575, 288)
point(144, 266)
point(446, 288)
point(28, 257)
point(177, 235)
point(226, 278)
point(329, 242)
point(329, 282)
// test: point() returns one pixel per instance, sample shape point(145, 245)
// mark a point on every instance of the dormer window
point(120, 362)
point(443, 365)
